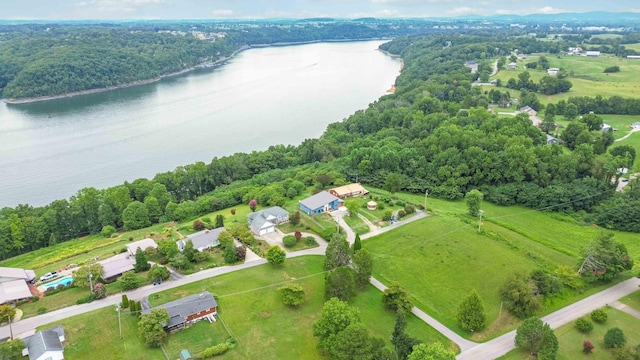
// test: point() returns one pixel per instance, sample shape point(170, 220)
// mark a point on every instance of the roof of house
point(142, 244)
point(14, 290)
point(180, 309)
point(349, 189)
point(551, 138)
point(204, 238)
point(17, 273)
point(116, 265)
point(274, 211)
point(318, 200)
point(261, 223)
point(43, 341)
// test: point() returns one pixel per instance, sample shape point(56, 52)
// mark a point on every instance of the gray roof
point(318, 200)
point(43, 341)
point(8, 274)
point(141, 244)
point(273, 211)
point(260, 222)
point(179, 309)
point(202, 239)
point(14, 290)
point(116, 265)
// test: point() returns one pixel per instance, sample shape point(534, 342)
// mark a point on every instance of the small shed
point(372, 205)
point(185, 355)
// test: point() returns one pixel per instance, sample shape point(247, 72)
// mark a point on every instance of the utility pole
point(426, 193)
point(480, 222)
point(90, 280)
point(10, 329)
point(119, 321)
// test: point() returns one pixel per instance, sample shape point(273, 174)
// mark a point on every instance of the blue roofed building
point(320, 203)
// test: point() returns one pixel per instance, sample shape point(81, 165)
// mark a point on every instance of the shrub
point(386, 216)
point(42, 310)
point(289, 240)
point(35, 298)
point(198, 225)
point(409, 209)
point(108, 230)
point(85, 300)
point(241, 252)
point(298, 235)
point(233, 211)
point(400, 203)
point(125, 301)
point(584, 325)
point(380, 206)
point(612, 69)
point(599, 315)
point(614, 338)
point(130, 238)
point(214, 350)
point(310, 240)
point(401, 214)
point(396, 298)
point(206, 220)
point(587, 347)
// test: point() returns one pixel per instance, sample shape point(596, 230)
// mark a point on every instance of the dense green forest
point(434, 133)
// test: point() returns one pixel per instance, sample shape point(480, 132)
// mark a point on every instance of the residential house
point(552, 140)
point(264, 221)
point(45, 344)
point(633, 57)
point(116, 266)
point(14, 284)
point(593, 53)
point(472, 65)
point(606, 128)
point(513, 66)
point(319, 203)
point(351, 190)
point(553, 71)
point(189, 310)
point(636, 125)
point(202, 240)
point(142, 245)
point(527, 109)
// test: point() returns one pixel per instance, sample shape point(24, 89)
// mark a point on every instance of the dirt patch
point(266, 314)
point(181, 293)
point(504, 322)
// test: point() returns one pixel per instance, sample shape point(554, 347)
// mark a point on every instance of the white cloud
point(465, 10)
point(549, 10)
point(222, 13)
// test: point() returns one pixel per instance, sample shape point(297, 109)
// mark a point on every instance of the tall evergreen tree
point(471, 315)
point(357, 244)
point(141, 261)
point(402, 342)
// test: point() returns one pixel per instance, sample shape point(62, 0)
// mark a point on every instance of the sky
point(245, 9)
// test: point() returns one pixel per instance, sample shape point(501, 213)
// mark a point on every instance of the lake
point(261, 97)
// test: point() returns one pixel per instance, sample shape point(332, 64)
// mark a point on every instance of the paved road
point(505, 343)
point(626, 308)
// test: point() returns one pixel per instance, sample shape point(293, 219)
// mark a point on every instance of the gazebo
point(372, 205)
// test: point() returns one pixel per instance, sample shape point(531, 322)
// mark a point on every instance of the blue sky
point(240, 9)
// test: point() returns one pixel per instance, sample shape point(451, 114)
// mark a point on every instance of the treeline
point(434, 133)
point(64, 60)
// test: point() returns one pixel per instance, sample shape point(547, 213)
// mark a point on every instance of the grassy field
point(635, 46)
point(570, 340)
point(267, 329)
point(588, 77)
point(356, 224)
point(196, 338)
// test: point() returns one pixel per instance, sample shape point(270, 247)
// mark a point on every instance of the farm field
point(570, 339)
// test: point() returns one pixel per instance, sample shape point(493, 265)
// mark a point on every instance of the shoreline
point(206, 65)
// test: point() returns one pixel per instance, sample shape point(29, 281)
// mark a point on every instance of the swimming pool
point(62, 281)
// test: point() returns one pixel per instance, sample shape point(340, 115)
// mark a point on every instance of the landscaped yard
point(196, 338)
point(570, 339)
point(356, 224)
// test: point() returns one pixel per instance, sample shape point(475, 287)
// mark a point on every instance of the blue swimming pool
point(62, 281)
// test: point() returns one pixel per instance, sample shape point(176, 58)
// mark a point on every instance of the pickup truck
point(48, 276)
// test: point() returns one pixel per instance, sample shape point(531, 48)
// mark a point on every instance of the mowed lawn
point(570, 340)
point(440, 260)
point(265, 328)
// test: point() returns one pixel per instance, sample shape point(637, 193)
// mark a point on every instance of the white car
point(48, 276)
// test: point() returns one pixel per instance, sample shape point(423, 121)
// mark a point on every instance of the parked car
point(48, 276)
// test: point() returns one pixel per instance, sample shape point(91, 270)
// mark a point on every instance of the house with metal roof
point(202, 240)
point(141, 244)
point(264, 221)
point(116, 265)
point(14, 284)
point(45, 345)
point(320, 203)
point(351, 190)
point(189, 310)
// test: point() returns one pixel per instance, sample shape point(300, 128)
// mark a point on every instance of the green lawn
point(196, 338)
point(632, 300)
point(356, 224)
point(267, 329)
point(635, 46)
point(570, 340)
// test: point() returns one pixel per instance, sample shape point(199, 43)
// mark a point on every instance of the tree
point(99, 291)
point(168, 248)
point(292, 294)
point(336, 316)
point(151, 327)
point(357, 243)
point(362, 266)
point(587, 347)
point(548, 124)
point(108, 230)
point(571, 111)
point(435, 351)
point(392, 183)
point(153, 208)
point(6, 311)
point(129, 281)
point(231, 254)
point(471, 315)
point(81, 276)
point(219, 221)
point(135, 216)
point(142, 264)
point(189, 251)
point(12, 349)
point(324, 180)
point(537, 338)
point(353, 206)
point(395, 297)
point(275, 255)
point(125, 301)
point(474, 201)
point(519, 296)
point(354, 342)
point(198, 225)
point(158, 273)
point(593, 121)
point(604, 259)
point(402, 342)
point(337, 253)
point(294, 218)
point(340, 283)
point(297, 235)
point(614, 338)
point(253, 204)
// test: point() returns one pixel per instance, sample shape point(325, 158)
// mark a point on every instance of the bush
point(42, 310)
point(599, 315)
point(612, 69)
point(587, 347)
point(400, 203)
point(614, 338)
point(108, 230)
point(409, 209)
point(310, 240)
point(85, 300)
point(241, 253)
point(396, 298)
point(213, 351)
point(584, 325)
point(289, 240)
point(206, 220)
point(198, 225)
point(386, 216)
point(401, 214)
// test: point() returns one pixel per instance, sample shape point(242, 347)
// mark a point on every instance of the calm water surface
point(262, 97)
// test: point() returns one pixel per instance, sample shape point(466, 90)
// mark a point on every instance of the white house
point(513, 65)
point(593, 53)
point(14, 284)
point(142, 245)
point(45, 345)
point(202, 240)
point(264, 221)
